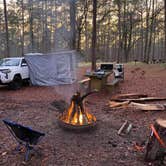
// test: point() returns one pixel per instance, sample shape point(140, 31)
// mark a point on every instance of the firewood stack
point(137, 101)
point(156, 144)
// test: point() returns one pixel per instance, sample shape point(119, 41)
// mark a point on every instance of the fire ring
point(76, 127)
point(76, 117)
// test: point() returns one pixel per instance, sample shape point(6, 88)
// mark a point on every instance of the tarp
point(52, 69)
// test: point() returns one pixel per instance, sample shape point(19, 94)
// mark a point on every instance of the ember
point(77, 117)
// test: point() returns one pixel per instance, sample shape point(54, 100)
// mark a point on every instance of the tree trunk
point(31, 25)
point(94, 35)
point(151, 32)
point(156, 144)
point(46, 39)
point(6, 28)
point(146, 32)
point(22, 41)
point(165, 28)
point(142, 38)
point(119, 30)
point(73, 24)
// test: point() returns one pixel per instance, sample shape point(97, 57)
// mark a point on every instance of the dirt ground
point(32, 106)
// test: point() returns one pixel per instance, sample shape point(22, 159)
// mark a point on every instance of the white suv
point(13, 71)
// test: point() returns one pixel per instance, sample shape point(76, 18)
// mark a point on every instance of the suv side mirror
point(23, 64)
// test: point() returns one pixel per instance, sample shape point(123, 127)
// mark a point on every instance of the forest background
point(105, 30)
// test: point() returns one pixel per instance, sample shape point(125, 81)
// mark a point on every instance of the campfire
point(77, 116)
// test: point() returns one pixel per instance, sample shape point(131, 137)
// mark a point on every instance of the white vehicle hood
point(8, 67)
point(12, 68)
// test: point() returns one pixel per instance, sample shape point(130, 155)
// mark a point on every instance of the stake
point(122, 127)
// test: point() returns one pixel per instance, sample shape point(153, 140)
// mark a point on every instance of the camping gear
point(24, 136)
point(119, 71)
point(52, 69)
point(106, 66)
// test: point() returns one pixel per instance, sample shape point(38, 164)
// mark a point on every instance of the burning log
point(156, 146)
point(77, 117)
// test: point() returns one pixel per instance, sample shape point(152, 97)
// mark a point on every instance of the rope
point(157, 136)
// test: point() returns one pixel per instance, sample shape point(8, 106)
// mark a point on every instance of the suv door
point(24, 69)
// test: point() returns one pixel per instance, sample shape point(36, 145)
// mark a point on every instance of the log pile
point(135, 100)
point(156, 143)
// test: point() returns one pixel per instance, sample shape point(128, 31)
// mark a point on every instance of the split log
point(156, 145)
point(144, 107)
point(141, 99)
point(129, 128)
point(129, 95)
point(148, 107)
point(122, 127)
point(114, 104)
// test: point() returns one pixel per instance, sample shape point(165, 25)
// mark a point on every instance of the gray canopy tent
point(52, 69)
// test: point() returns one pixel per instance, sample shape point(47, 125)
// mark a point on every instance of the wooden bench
point(118, 74)
point(84, 81)
point(110, 86)
point(84, 84)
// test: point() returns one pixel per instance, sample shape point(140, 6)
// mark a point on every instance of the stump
point(156, 145)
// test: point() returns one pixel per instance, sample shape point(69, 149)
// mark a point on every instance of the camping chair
point(24, 136)
point(119, 71)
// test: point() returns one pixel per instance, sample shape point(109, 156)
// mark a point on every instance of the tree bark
point(146, 54)
point(119, 30)
point(165, 29)
point(22, 15)
point(6, 28)
point(151, 32)
point(94, 35)
point(73, 24)
point(31, 25)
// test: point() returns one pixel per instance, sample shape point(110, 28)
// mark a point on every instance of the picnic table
point(98, 80)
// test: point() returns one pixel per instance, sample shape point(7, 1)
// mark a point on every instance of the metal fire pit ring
point(71, 127)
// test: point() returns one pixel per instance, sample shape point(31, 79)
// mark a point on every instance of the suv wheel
point(16, 83)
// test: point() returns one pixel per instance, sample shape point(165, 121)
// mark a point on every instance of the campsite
point(34, 106)
point(83, 82)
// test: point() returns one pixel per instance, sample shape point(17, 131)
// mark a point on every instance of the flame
point(77, 117)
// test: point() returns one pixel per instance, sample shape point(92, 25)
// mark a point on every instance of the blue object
point(24, 135)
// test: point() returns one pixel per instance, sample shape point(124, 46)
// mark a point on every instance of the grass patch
point(163, 65)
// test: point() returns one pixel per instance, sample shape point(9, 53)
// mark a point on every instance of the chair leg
point(28, 149)
point(18, 148)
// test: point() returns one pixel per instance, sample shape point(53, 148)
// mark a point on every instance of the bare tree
point(22, 15)
point(119, 30)
point(94, 35)
point(165, 25)
point(73, 23)
point(6, 28)
point(31, 25)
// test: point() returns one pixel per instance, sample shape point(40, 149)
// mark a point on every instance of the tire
point(16, 83)
point(26, 82)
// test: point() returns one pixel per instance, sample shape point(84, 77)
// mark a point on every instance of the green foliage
point(121, 27)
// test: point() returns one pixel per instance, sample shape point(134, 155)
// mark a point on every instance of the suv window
point(9, 62)
point(23, 63)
